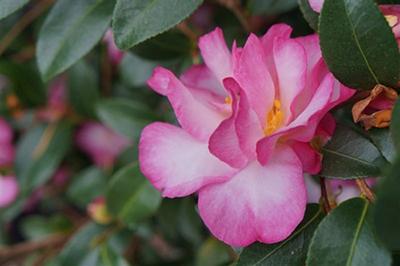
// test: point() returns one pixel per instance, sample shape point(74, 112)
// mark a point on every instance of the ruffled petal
point(195, 113)
point(201, 78)
point(176, 163)
point(216, 54)
point(260, 203)
point(310, 158)
point(253, 76)
point(224, 142)
point(291, 66)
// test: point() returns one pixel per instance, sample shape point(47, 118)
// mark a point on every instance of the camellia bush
point(199, 132)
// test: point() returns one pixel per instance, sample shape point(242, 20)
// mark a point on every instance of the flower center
point(228, 100)
point(274, 118)
point(392, 20)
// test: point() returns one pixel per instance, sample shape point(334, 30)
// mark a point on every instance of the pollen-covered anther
point(274, 118)
point(228, 100)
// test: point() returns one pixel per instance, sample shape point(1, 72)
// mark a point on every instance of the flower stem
point(365, 189)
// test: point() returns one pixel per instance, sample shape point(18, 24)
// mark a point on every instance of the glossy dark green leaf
point(345, 237)
point(7, 7)
point(309, 14)
point(69, 32)
point(395, 126)
point(25, 82)
point(382, 139)
point(166, 46)
point(135, 71)
point(357, 44)
point(271, 7)
point(40, 152)
point(291, 251)
point(125, 116)
point(83, 89)
point(130, 196)
point(136, 21)
point(350, 155)
point(387, 208)
point(86, 186)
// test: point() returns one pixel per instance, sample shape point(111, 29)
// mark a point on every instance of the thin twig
point(365, 189)
point(324, 196)
point(24, 22)
point(8, 253)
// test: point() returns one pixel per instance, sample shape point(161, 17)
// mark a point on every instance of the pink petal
point(316, 5)
point(9, 190)
point(200, 77)
point(393, 10)
point(195, 113)
point(176, 163)
point(291, 65)
point(224, 142)
point(309, 157)
point(6, 134)
point(313, 189)
point(216, 54)
point(260, 203)
point(7, 154)
point(304, 126)
point(253, 76)
point(101, 143)
point(281, 31)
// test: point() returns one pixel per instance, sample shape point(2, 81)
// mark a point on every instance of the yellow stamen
point(274, 118)
point(392, 20)
point(228, 100)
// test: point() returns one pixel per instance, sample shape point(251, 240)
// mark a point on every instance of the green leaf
point(357, 44)
point(271, 7)
point(166, 46)
point(130, 195)
point(7, 7)
point(350, 155)
point(78, 250)
point(139, 20)
point(135, 71)
point(37, 227)
point(25, 82)
point(382, 139)
point(387, 208)
point(124, 116)
point(291, 251)
point(345, 237)
point(395, 126)
point(86, 186)
point(83, 89)
point(309, 14)
point(69, 32)
point(39, 153)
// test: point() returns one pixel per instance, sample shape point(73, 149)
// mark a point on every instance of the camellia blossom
point(9, 190)
point(247, 118)
point(101, 143)
point(7, 151)
point(391, 13)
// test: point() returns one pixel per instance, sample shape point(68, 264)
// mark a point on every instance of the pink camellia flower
point(391, 13)
point(8, 190)
point(56, 101)
point(115, 54)
point(245, 118)
point(7, 151)
point(101, 143)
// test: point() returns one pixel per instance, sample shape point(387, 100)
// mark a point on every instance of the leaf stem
point(326, 203)
point(365, 189)
point(24, 22)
